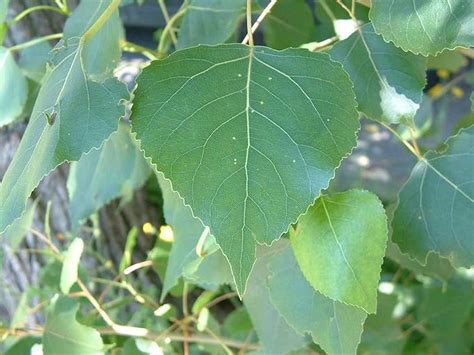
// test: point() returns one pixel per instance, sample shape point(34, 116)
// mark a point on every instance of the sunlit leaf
point(339, 245)
point(425, 26)
point(248, 137)
point(388, 82)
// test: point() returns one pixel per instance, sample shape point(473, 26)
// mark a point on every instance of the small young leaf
point(13, 88)
point(339, 245)
point(388, 82)
point(436, 205)
point(62, 333)
point(425, 26)
point(334, 326)
point(114, 170)
point(268, 128)
point(70, 267)
point(209, 22)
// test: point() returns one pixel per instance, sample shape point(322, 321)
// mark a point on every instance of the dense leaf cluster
point(242, 142)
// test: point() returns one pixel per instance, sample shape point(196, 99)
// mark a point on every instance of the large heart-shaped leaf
point(425, 26)
point(388, 82)
point(436, 205)
point(248, 136)
point(334, 326)
point(340, 243)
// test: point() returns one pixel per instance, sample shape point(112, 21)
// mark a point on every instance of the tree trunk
point(20, 268)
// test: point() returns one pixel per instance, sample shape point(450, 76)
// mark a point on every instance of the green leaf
point(382, 334)
point(209, 22)
point(436, 266)
point(24, 344)
point(289, 24)
point(334, 326)
point(103, 51)
point(186, 231)
point(116, 169)
point(436, 205)
point(126, 260)
point(55, 134)
point(210, 271)
point(425, 26)
point(33, 61)
point(3, 10)
point(275, 334)
point(339, 245)
point(70, 267)
point(452, 61)
point(444, 312)
point(13, 88)
point(64, 335)
point(388, 82)
point(248, 137)
point(18, 229)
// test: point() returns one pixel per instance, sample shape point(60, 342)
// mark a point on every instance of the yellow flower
point(457, 91)
point(443, 73)
point(435, 90)
point(148, 228)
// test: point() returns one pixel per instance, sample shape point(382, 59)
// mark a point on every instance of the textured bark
point(21, 269)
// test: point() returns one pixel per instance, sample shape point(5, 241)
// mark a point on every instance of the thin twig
point(137, 266)
point(166, 15)
point(252, 28)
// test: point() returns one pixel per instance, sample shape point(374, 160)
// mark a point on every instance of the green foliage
point(388, 82)
point(339, 245)
point(116, 169)
point(249, 248)
point(436, 205)
point(13, 88)
point(229, 159)
point(425, 27)
point(64, 335)
point(70, 267)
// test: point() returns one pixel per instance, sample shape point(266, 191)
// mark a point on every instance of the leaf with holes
point(248, 137)
point(339, 245)
point(72, 114)
point(436, 205)
point(425, 27)
point(334, 326)
point(210, 22)
point(388, 82)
